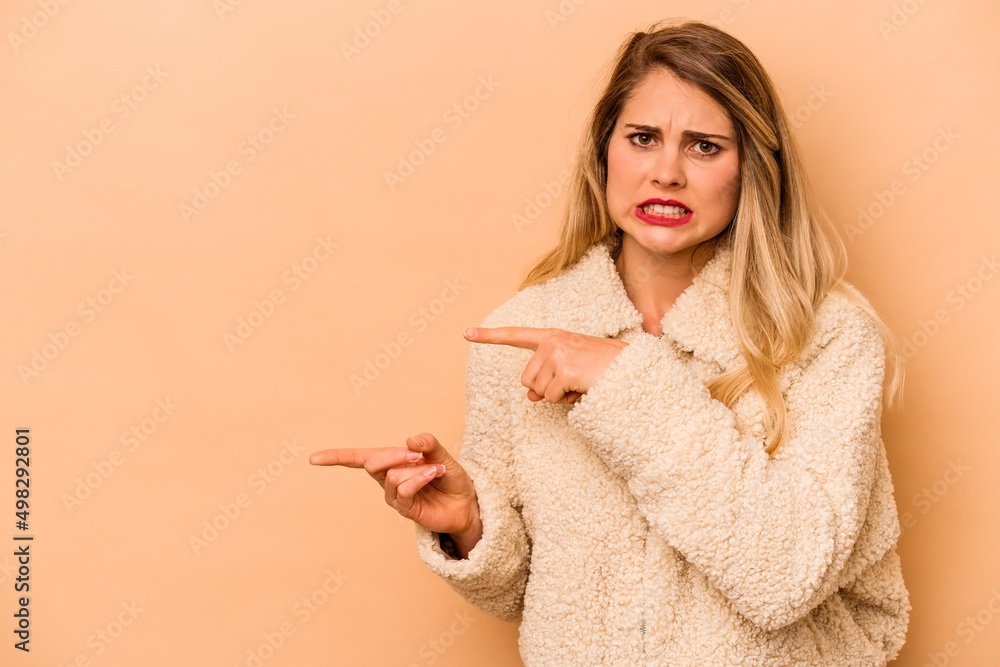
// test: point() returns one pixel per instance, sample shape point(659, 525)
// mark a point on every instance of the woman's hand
point(422, 481)
point(565, 364)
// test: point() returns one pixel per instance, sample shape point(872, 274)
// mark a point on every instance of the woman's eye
point(711, 150)
point(638, 135)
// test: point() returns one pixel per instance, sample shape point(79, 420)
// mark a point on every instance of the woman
point(695, 475)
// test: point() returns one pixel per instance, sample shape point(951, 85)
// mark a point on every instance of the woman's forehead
point(663, 100)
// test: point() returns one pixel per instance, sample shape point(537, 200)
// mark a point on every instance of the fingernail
point(470, 333)
point(414, 456)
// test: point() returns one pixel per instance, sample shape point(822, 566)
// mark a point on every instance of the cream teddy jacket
point(645, 525)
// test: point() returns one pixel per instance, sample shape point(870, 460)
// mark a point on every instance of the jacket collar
point(589, 297)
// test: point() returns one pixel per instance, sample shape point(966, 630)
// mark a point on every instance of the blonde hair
point(787, 255)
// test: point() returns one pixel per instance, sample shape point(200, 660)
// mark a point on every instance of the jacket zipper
point(642, 617)
point(642, 626)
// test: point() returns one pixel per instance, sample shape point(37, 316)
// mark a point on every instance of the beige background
point(145, 104)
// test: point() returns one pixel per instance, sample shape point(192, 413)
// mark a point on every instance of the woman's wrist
point(466, 540)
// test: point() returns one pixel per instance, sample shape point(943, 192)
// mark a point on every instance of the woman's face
point(671, 143)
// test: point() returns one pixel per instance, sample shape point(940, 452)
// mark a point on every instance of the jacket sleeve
point(494, 575)
point(773, 535)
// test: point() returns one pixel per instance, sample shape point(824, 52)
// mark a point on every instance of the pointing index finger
point(523, 337)
point(352, 458)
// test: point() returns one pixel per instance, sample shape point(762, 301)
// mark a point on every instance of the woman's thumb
point(432, 450)
point(455, 480)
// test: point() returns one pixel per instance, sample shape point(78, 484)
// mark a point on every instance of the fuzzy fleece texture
point(645, 524)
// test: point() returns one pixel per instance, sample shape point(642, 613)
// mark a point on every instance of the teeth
point(670, 211)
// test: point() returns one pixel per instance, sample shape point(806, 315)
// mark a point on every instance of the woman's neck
point(653, 282)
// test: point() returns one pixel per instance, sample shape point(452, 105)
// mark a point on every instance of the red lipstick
point(663, 220)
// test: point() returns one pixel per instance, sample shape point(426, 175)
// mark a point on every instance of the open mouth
point(665, 211)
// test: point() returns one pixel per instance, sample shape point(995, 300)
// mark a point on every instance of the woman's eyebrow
point(687, 134)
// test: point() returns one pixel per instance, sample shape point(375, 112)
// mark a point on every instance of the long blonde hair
point(787, 255)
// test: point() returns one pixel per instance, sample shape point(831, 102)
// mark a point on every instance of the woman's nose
point(668, 167)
